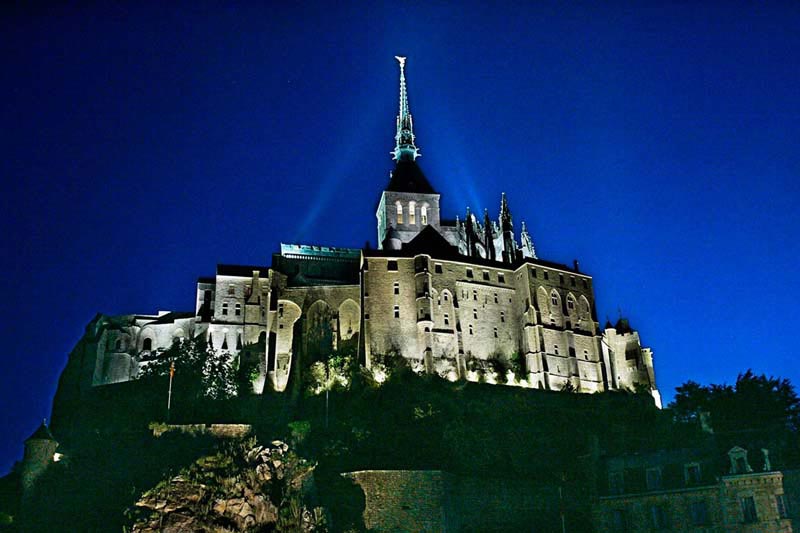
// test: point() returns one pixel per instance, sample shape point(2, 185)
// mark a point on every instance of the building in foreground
point(466, 298)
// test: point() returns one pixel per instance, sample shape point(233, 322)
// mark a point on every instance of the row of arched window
point(412, 213)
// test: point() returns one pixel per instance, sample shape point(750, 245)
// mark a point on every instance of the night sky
point(142, 145)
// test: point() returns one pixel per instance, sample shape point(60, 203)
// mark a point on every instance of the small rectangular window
point(585, 284)
point(780, 501)
point(545, 274)
point(561, 279)
point(502, 316)
point(692, 474)
point(475, 295)
point(749, 514)
point(572, 280)
point(280, 310)
point(485, 275)
point(437, 268)
point(225, 309)
point(397, 287)
point(237, 310)
point(699, 513)
point(366, 316)
point(495, 333)
point(495, 298)
point(446, 319)
point(469, 272)
point(231, 290)
point(397, 311)
point(653, 476)
point(533, 273)
point(475, 314)
point(391, 266)
point(501, 278)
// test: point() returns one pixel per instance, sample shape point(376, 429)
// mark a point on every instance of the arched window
point(412, 213)
point(399, 213)
point(118, 345)
point(570, 303)
point(470, 329)
point(554, 298)
point(423, 213)
point(446, 319)
point(147, 345)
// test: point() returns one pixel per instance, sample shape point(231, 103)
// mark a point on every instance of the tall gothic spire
point(404, 149)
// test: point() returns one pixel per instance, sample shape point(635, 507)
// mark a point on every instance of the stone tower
point(409, 203)
point(40, 450)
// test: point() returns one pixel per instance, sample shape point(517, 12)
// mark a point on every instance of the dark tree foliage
point(757, 411)
point(200, 372)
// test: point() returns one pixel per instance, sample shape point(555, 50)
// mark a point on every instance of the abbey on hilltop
point(464, 298)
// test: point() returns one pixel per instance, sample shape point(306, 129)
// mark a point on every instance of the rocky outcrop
point(243, 487)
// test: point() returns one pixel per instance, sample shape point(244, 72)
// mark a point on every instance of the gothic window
point(501, 278)
point(412, 213)
point(424, 215)
point(446, 319)
point(238, 309)
point(147, 345)
point(231, 290)
point(554, 299)
point(570, 303)
point(397, 311)
point(225, 309)
point(397, 287)
point(399, 213)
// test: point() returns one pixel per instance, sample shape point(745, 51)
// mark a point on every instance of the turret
point(507, 227)
point(40, 453)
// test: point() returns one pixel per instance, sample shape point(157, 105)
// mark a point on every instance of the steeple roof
point(43, 433)
point(408, 177)
point(404, 149)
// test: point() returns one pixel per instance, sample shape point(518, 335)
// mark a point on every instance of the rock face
point(243, 487)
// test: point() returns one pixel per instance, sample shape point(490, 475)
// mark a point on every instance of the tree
point(200, 371)
point(755, 404)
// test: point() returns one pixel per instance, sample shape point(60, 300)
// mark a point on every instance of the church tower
point(409, 203)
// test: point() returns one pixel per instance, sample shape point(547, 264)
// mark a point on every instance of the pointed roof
point(43, 433)
point(408, 177)
point(430, 241)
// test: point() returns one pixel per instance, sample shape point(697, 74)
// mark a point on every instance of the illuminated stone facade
point(467, 299)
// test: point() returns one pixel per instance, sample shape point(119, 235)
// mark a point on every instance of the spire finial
point(404, 139)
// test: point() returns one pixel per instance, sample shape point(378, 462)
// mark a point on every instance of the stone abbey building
point(451, 296)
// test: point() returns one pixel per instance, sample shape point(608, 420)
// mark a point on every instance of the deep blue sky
point(658, 144)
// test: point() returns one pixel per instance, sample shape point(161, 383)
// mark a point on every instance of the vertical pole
point(169, 393)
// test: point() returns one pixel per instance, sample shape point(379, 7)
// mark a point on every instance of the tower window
point(225, 309)
point(561, 278)
point(445, 297)
point(495, 297)
point(572, 280)
point(446, 319)
point(423, 212)
point(485, 275)
point(555, 349)
point(475, 314)
point(397, 311)
point(238, 309)
point(554, 299)
point(585, 284)
point(280, 310)
point(231, 290)
point(469, 272)
point(501, 278)
point(570, 303)
point(399, 213)
point(412, 213)
point(545, 274)
point(502, 316)
point(118, 345)
point(475, 295)
point(470, 329)
point(397, 287)
point(391, 265)
point(437, 268)
point(495, 333)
